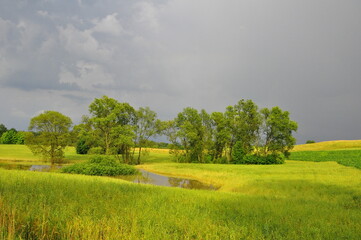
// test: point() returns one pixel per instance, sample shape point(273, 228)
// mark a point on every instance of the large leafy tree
point(114, 124)
point(276, 136)
point(49, 136)
point(244, 122)
point(191, 132)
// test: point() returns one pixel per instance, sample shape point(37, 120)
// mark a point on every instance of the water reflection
point(155, 179)
point(39, 168)
point(144, 177)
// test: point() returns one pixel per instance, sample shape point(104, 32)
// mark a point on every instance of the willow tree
point(50, 134)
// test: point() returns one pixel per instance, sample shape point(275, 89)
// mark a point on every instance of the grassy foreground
point(58, 206)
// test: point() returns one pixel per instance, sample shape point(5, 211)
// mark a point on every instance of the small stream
point(144, 177)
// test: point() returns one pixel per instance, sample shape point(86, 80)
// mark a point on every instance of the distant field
point(347, 153)
point(329, 145)
point(22, 155)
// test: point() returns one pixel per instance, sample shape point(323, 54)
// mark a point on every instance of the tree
point(146, 127)
point(50, 135)
point(244, 122)
point(191, 132)
point(114, 124)
point(221, 134)
point(277, 131)
point(9, 137)
point(3, 129)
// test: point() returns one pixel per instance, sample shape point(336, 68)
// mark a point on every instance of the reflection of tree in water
point(175, 182)
point(189, 184)
point(138, 178)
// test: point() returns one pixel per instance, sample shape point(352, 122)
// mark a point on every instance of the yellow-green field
point(22, 155)
point(295, 200)
point(329, 145)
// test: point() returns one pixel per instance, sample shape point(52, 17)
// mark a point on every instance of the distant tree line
point(241, 134)
point(10, 136)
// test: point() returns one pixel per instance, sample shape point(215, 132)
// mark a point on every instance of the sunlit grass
point(56, 206)
point(329, 145)
point(22, 155)
point(345, 157)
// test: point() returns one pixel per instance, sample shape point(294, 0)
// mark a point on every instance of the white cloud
point(109, 25)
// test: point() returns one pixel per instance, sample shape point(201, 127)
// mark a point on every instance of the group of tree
point(241, 134)
point(10, 136)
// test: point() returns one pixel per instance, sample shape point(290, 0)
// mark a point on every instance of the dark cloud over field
point(304, 56)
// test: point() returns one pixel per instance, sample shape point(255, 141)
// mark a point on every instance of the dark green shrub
point(310, 141)
point(238, 153)
point(100, 166)
point(82, 147)
point(264, 160)
point(221, 160)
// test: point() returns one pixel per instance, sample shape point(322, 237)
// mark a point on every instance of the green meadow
point(308, 199)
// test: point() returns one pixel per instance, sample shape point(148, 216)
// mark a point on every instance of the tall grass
point(298, 200)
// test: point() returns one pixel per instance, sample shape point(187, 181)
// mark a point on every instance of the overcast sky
point(301, 55)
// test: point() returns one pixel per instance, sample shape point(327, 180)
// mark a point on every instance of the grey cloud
point(304, 56)
point(28, 80)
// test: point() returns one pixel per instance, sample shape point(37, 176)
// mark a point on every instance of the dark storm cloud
point(303, 56)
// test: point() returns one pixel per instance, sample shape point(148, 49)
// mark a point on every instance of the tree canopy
point(50, 134)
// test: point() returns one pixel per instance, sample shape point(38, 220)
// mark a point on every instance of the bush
point(238, 153)
point(221, 160)
point(96, 150)
point(264, 160)
point(310, 141)
point(100, 166)
point(82, 147)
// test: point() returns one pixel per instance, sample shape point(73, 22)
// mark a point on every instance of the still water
point(144, 177)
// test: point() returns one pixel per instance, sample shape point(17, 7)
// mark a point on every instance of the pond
point(144, 177)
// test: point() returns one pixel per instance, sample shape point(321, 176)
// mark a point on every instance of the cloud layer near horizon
point(303, 56)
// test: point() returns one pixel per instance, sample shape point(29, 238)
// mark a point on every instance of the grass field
point(22, 155)
point(347, 153)
point(329, 145)
point(295, 200)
